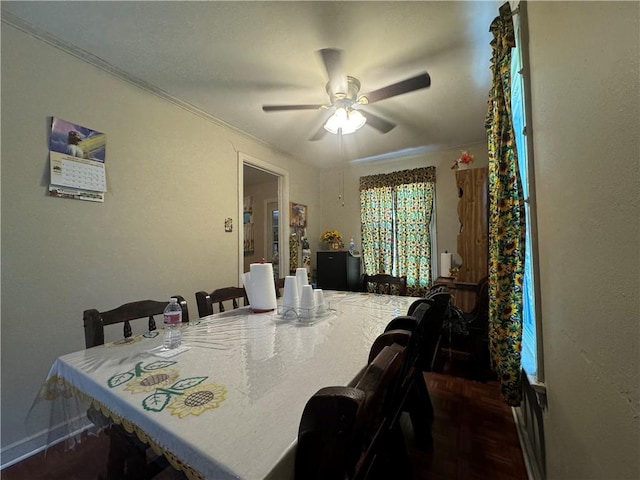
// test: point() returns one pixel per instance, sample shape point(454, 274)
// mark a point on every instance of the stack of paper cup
point(290, 298)
point(303, 279)
point(318, 296)
point(307, 302)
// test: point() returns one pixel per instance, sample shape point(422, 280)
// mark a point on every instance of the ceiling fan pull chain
point(340, 157)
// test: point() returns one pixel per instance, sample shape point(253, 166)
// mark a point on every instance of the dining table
point(227, 403)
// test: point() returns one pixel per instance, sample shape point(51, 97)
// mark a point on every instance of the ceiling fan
point(344, 97)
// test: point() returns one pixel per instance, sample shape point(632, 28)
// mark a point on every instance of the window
point(530, 349)
point(396, 216)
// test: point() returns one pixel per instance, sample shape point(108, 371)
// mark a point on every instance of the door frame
point(283, 204)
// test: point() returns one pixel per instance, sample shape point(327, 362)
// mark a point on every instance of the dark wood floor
point(474, 437)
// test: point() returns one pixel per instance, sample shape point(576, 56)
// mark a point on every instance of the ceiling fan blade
point(415, 83)
point(379, 123)
point(279, 108)
point(332, 59)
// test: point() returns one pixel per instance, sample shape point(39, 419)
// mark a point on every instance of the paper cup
point(307, 302)
point(290, 297)
point(318, 296)
point(303, 279)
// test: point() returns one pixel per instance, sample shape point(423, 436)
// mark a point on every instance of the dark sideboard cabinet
point(338, 270)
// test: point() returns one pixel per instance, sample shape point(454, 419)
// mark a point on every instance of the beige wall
point(584, 76)
point(172, 179)
point(346, 219)
point(62, 256)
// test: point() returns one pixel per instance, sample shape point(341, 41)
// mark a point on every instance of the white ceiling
point(230, 58)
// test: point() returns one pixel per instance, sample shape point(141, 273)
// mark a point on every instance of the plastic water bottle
point(352, 246)
point(172, 322)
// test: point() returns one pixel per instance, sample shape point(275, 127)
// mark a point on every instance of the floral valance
point(403, 177)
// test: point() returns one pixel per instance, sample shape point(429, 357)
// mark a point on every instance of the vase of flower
point(332, 238)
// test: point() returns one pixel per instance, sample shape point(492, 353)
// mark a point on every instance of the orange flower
point(466, 157)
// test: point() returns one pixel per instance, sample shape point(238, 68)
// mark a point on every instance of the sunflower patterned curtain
point(506, 218)
point(376, 216)
point(396, 211)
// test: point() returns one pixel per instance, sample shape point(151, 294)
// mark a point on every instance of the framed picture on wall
point(297, 215)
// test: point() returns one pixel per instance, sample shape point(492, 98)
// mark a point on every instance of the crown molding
point(103, 65)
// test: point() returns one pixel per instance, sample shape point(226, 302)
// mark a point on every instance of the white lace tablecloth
point(229, 405)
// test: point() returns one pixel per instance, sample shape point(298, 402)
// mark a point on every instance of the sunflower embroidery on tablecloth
point(138, 371)
point(56, 387)
point(198, 400)
point(186, 397)
point(149, 381)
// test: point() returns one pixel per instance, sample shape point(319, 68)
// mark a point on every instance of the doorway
point(263, 197)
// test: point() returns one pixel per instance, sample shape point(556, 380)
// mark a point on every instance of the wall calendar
point(77, 162)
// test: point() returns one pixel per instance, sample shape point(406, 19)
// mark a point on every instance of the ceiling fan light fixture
point(345, 119)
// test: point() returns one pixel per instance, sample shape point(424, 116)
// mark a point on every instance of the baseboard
point(18, 451)
point(528, 452)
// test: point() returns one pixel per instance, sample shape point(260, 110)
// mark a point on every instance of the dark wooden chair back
point(206, 301)
point(432, 311)
point(384, 283)
point(342, 428)
point(329, 435)
point(95, 321)
point(384, 452)
point(388, 338)
point(414, 394)
point(440, 297)
point(416, 328)
point(465, 336)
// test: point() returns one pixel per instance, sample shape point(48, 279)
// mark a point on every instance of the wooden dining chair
point(465, 336)
point(385, 455)
point(329, 435)
point(342, 432)
point(95, 321)
point(128, 457)
point(441, 299)
point(206, 301)
point(414, 397)
point(384, 283)
point(407, 340)
point(432, 311)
